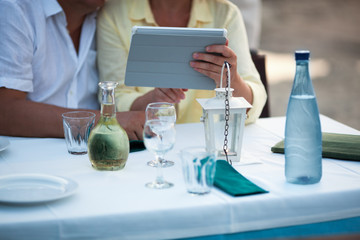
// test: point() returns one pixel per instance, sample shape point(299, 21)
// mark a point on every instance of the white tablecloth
point(117, 204)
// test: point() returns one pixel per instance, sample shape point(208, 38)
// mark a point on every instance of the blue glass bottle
point(303, 138)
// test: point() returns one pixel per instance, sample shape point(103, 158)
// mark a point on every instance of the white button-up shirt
point(37, 54)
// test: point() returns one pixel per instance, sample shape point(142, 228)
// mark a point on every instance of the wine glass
point(165, 112)
point(159, 138)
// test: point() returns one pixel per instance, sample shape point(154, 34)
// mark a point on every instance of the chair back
point(259, 61)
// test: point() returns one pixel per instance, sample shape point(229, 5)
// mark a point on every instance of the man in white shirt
point(48, 66)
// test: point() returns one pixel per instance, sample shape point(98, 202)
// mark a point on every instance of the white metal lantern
point(224, 123)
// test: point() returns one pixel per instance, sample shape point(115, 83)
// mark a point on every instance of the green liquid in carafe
point(108, 145)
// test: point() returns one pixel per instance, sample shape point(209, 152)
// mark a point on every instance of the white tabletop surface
point(117, 204)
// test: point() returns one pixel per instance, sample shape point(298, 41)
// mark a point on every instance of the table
point(116, 205)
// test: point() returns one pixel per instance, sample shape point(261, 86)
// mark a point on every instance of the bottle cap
point(302, 55)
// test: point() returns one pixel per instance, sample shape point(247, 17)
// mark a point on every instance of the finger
point(131, 135)
point(139, 135)
point(175, 95)
point(168, 93)
point(206, 66)
point(213, 75)
point(210, 58)
point(162, 96)
point(211, 70)
point(178, 93)
point(223, 49)
point(135, 132)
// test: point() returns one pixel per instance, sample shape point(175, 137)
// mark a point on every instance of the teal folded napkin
point(136, 145)
point(232, 182)
point(334, 145)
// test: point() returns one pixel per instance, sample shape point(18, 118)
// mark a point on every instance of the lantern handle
point(228, 66)
point(227, 108)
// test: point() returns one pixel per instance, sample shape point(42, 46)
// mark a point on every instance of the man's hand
point(133, 123)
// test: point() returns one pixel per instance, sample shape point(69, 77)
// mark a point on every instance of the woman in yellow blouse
point(113, 38)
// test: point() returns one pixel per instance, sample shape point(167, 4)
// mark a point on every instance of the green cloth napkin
point(232, 182)
point(136, 145)
point(334, 145)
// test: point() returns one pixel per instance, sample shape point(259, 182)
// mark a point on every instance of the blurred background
point(330, 29)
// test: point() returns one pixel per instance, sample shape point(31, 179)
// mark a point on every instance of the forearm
point(29, 119)
point(242, 89)
point(24, 118)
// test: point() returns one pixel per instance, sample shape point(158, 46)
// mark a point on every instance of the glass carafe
point(108, 145)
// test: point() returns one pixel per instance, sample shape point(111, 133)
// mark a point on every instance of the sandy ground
point(330, 30)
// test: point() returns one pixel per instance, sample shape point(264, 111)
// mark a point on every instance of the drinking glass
point(77, 127)
point(198, 166)
point(165, 112)
point(159, 138)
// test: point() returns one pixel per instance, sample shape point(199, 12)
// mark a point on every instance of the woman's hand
point(210, 64)
point(171, 95)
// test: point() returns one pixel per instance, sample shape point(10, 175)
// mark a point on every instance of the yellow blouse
point(113, 41)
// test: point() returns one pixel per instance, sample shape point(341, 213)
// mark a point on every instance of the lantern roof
point(219, 103)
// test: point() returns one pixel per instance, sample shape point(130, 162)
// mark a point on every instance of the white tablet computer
point(160, 56)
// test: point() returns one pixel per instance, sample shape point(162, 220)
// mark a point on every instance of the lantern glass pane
point(233, 133)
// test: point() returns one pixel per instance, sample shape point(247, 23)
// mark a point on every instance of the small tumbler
point(77, 127)
point(198, 169)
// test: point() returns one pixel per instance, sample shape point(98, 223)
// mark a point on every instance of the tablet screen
point(160, 57)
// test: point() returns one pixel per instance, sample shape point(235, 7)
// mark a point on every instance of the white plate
point(34, 188)
point(4, 143)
